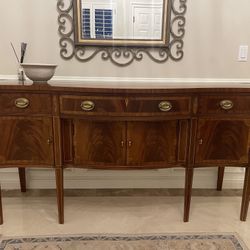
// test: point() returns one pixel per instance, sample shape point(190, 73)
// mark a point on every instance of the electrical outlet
point(243, 53)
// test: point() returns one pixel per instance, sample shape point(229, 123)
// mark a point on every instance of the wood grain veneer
point(24, 141)
point(99, 143)
point(210, 104)
point(221, 142)
point(72, 105)
point(152, 144)
point(181, 105)
point(38, 104)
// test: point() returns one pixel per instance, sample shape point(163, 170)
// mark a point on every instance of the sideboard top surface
point(91, 88)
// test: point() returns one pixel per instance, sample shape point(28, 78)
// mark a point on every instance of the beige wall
point(214, 30)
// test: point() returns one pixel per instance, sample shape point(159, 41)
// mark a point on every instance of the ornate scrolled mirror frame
point(125, 54)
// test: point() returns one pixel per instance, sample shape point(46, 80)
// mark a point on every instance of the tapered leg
point(22, 178)
point(1, 208)
point(60, 194)
point(188, 192)
point(245, 196)
point(221, 171)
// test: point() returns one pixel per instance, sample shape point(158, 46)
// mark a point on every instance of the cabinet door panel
point(25, 141)
point(223, 141)
point(152, 144)
point(99, 143)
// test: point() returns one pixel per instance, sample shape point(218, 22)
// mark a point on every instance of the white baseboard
point(97, 179)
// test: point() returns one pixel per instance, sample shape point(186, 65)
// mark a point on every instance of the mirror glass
point(121, 22)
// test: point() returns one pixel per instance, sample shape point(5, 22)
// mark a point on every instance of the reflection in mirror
point(122, 19)
point(130, 20)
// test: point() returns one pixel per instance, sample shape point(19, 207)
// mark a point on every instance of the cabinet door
point(156, 144)
point(99, 143)
point(222, 141)
point(26, 141)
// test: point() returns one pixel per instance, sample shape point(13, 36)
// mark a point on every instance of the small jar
point(20, 74)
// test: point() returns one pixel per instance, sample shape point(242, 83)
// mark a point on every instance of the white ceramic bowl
point(39, 73)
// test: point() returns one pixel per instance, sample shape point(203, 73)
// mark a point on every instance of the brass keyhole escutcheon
point(49, 141)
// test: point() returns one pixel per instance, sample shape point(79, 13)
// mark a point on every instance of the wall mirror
point(122, 31)
point(121, 22)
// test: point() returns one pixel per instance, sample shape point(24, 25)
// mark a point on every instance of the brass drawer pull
point(22, 103)
point(226, 104)
point(87, 105)
point(165, 106)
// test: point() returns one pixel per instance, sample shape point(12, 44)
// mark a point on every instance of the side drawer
point(11, 104)
point(180, 105)
point(224, 104)
point(91, 105)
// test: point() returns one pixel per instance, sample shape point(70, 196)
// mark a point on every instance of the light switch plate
point(243, 53)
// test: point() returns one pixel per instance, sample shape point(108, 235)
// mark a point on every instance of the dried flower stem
point(15, 52)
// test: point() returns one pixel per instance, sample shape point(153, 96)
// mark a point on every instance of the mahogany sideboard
point(65, 127)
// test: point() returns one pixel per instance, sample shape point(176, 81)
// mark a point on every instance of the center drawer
point(165, 105)
point(94, 105)
point(23, 103)
point(145, 106)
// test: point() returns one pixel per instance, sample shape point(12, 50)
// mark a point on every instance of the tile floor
point(160, 214)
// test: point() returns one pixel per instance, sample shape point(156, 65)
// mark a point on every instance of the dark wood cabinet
point(133, 144)
point(153, 144)
point(26, 141)
point(223, 142)
point(97, 143)
point(60, 127)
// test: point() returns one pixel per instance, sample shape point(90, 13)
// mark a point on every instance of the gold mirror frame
point(122, 54)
